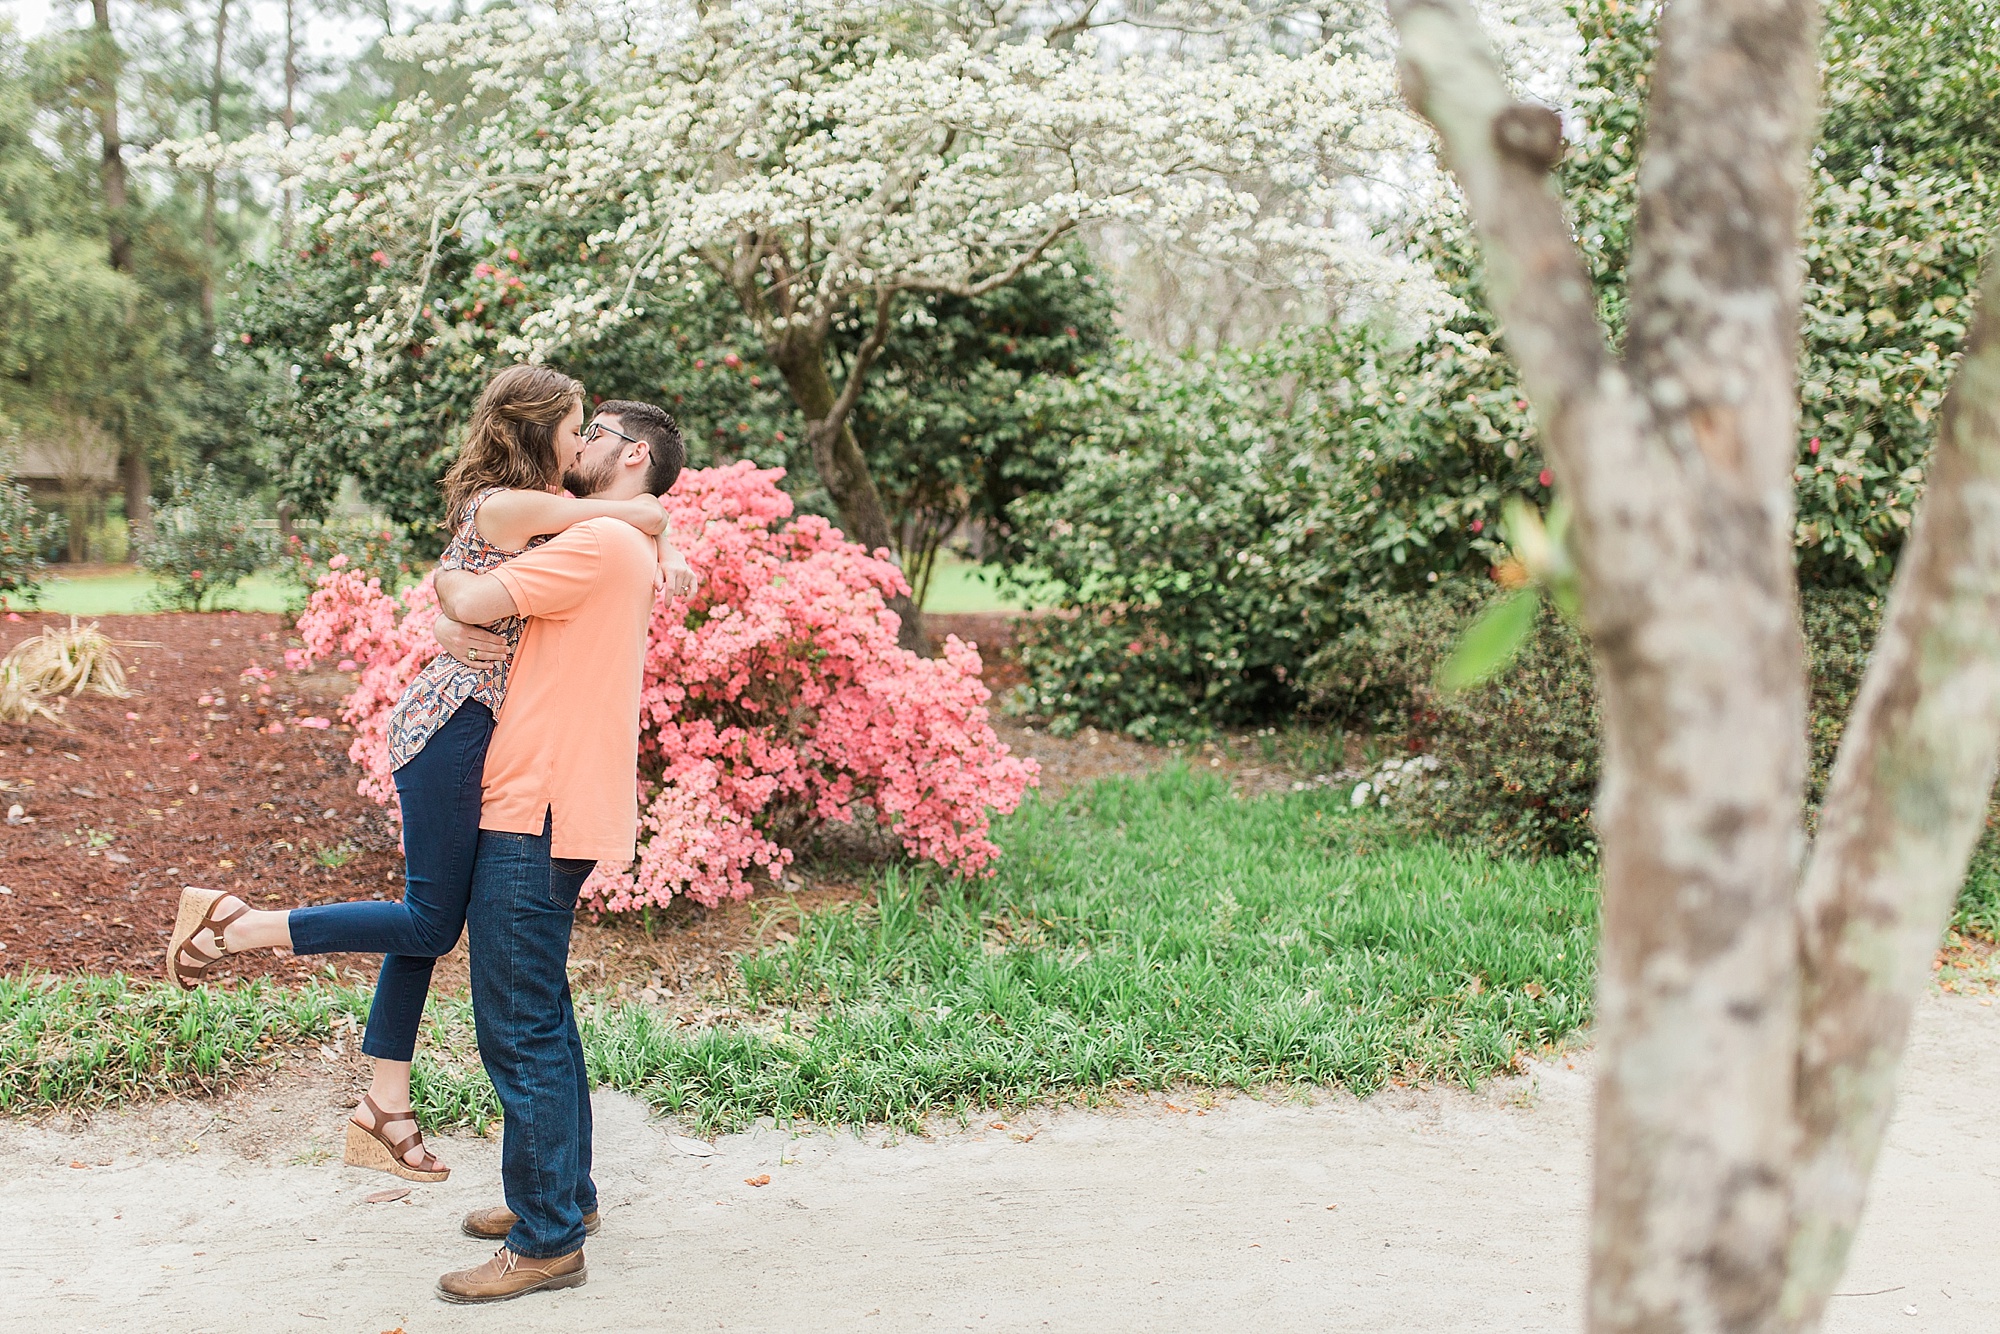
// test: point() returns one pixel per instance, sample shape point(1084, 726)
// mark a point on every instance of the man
point(560, 796)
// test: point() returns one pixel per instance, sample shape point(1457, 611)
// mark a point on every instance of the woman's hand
point(470, 644)
point(675, 575)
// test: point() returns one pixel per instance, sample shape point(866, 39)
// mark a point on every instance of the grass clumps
point(90, 1041)
point(1142, 934)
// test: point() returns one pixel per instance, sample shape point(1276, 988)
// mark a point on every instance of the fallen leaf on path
point(1533, 990)
point(693, 1148)
point(761, 1179)
point(388, 1196)
point(78, 1163)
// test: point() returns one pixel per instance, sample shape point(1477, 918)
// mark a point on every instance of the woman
point(500, 498)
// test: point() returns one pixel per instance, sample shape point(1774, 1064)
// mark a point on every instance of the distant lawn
point(131, 593)
point(967, 586)
point(1139, 934)
point(956, 586)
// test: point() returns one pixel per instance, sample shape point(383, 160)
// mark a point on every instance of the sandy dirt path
point(1429, 1211)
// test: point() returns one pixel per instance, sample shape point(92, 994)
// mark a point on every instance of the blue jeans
point(440, 793)
point(523, 905)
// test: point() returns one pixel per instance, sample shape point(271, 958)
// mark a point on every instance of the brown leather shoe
point(495, 1224)
point(507, 1276)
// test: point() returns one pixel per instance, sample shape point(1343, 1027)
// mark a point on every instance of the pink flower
point(317, 724)
point(731, 360)
point(1547, 478)
point(380, 258)
point(774, 702)
point(276, 729)
point(344, 665)
point(338, 561)
point(1479, 525)
point(513, 254)
point(131, 717)
point(1815, 445)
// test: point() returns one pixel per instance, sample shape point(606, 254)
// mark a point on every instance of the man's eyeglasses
point(597, 428)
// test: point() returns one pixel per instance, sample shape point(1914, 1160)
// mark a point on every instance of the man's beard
point(579, 481)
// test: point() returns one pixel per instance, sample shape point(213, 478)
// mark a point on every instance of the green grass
point(963, 585)
point(1140, 934)
point(88, 1041)
point(131, 593)
point(1145, 934)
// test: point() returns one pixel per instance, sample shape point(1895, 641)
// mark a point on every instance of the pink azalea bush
point(774, 702)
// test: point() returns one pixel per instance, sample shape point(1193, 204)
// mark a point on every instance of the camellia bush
point(775, 702)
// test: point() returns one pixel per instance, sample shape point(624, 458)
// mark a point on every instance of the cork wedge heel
point(368, 1147)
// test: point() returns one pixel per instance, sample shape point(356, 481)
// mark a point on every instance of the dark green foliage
point(1520, 750)
point(378, 552)
point(27, 536)
point(1174, 546)
point(952, 423)
point(944, 423)
point(1520, 753)
point(206, 542)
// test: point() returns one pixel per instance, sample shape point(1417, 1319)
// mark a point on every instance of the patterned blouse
point(446, 683)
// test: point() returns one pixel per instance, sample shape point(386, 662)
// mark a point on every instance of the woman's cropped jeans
point(440, 794)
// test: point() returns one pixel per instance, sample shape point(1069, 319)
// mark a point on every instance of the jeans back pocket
point(566, 877)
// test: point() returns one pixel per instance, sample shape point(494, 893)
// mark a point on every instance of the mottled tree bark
point(1750, 1021)
point(1903, 810)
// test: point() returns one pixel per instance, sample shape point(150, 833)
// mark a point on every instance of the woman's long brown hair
point(511, 440)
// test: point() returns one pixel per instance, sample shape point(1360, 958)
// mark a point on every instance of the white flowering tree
point(825, 160)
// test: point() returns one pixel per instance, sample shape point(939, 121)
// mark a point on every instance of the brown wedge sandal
point(187, 962)
point(368, 1147)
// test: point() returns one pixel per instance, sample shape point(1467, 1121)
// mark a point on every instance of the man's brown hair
point(645, 422)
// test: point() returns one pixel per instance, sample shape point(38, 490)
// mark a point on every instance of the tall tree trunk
point(1904, 807)
point(838, 460)
point(1751, 1022)
point(291, 120)
point(111, 171)
point(138, 477)
point(208, 238)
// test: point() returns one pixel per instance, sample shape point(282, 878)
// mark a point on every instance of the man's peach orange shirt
point(567, 741)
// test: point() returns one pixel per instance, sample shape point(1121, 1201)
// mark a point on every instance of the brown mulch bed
point(130, 799)
point(124, 811)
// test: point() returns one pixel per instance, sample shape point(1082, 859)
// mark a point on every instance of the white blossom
point(809, 154)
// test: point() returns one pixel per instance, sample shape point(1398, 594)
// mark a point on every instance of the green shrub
point(1181, 547)
point(205, 542)
point(27, 535)
point(377, 550)
point(1519, 754)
